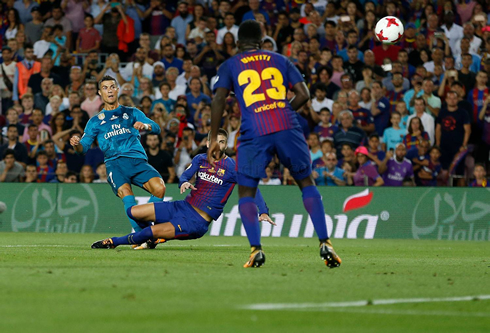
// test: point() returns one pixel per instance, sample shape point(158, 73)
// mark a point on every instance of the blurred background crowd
point(410, 114)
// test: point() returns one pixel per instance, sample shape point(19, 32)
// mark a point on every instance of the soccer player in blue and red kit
point(116, 128)
point(260, 80)
point(189, 218)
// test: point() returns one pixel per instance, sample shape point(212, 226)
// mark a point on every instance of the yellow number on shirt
point(252, 78)
point(278, 90)
point(254, 81)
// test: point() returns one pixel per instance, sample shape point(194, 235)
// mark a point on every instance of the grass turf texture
point(200, 286)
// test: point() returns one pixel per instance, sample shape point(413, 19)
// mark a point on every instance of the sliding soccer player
point(260, 80)
point(189, 218)
point(117, 130)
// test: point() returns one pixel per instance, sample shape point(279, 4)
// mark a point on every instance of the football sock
point(250, 219)
point(312, 201)
point(155, 199)
point(134, 238)
point(129, 201)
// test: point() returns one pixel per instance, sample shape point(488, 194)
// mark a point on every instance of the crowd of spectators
point(412, 114)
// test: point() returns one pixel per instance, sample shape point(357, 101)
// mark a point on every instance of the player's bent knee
point(124, 191)
point(159, 190)
point(156, 186)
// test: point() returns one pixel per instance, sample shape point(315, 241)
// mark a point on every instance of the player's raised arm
point(263, 209)
point(217, 109)
point(145, 123)
point(82, 144)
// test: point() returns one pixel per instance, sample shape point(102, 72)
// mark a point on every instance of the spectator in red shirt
point(385, 51)
point(88, 38)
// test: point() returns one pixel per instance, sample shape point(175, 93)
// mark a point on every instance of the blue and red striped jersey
point(260, 80)
point(477, 98)
point(214, 185)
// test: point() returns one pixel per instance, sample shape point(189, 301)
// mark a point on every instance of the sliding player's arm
point(187, 175)
point(145, 123)
point(263, 209)
point(222, 86)
point(81, 145)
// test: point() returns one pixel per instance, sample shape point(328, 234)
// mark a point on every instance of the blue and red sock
point(313, 203)
point(134, 238)
point(250, 219)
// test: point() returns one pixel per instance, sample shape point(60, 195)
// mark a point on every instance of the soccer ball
point(389, 30)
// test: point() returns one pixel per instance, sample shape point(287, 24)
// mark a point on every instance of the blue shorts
point(255, 154)
point(187, 222)
point(126, 170)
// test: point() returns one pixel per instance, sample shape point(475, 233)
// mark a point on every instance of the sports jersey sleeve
point(140, 116)
point(223, 79)
point(89, 136)
point(293, 74)
point(259, 201)
point(191, 170)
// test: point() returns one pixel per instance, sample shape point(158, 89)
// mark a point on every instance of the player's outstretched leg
point(161, 231)
point(313, 203)
point(143, 215)
point(134, 238)
point(249, 214)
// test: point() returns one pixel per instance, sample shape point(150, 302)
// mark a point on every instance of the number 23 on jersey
point(253, 80)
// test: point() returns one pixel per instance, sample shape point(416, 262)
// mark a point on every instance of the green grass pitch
point(56, 283)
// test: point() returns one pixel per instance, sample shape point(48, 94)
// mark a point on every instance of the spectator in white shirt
point(269, 180)
point(321, 101)
point(42, 45)
point(453, 31)
point(229, 27)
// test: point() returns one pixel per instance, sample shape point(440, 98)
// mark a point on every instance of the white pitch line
point(318, 306)
point(402, 312)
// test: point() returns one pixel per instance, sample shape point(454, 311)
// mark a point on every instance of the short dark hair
point(13, 126)
point(457, 83)
point(434, 148)
point(419, 98)
point(328, 69)
point(221, 131)
point(89, 15)
point(348, 145)
point(250, 32)
point(41, 153)
point(352, 31)
point(48, 141)
point(321, 87)
point(106, 78)
point(57, 27)
point(194, 78)
point(9, 152)
point(71, 173)
point(164, 84)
